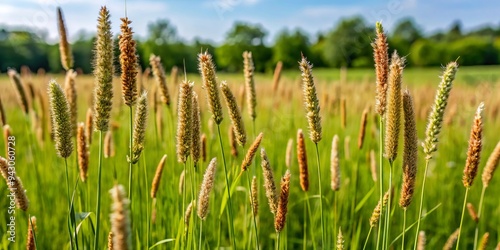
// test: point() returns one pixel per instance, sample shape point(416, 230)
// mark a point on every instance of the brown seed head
point(280, 218)
point(207, 70)
point(289, 152)
point(120, 218)
point(83, 151)
point(232, 142)
point(21, 93)
point(247, 161)
point(472, 212)
point(248, 70)
point(89, 123)
point(128, 62)
point(196, 133)
point(109, 145)
point(269, 184)
point(421, 241)
point(451, 240)
point(362, 128)
point(30, 239)
point(187, 215)
point(394, 106)
point(334, 164)
point(204, 147)
point(157, 178)
point(234, 114)
point(103, 72)
point(140, 122)
point(254, 197)
point(277, 76)
point(159, 74)
point(184, 122)
point(491, 165)
point(410, 151)
point(15, 185)
point(71, 96)
point(64, 47)
point(474, 151)
point(311, 101)
point(381, 57)
point(302, 159)
point(373, 165)
point(206, 187)
point(2, 114)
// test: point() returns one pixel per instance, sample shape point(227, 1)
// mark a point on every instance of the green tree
point(288, 47)
point(348, 44)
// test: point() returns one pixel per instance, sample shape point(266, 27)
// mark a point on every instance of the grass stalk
point(381, 173)
point(476, 233)
point(252, 200)
point(130, 159)
point(98, 208)
point(367, 238)
point(320, 197)
point(387, 226)
point(421, 202)
point(462, 217)
point(228, 188)
point(70, 226)
point(404, 229)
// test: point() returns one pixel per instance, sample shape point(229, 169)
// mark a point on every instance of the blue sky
point(211, 19)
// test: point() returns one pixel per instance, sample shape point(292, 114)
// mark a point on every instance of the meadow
point(162, 222)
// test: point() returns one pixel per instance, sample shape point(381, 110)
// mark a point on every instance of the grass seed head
point(334, 164)
point(302, 159)
point(120, 218)
point(196, 133)
point(207, 70)
point(83, 151)
point(234, 114)
point(282, 209)
point(206, 187)
point(269, 183)
point(103, 71)
point(311, 101)
point(128, 62)
point(474, 151)
point(71, 96)
point(61, 120)
point(184, 122)
point(381, 57)
point(491, 165)
point(247, 161)
point(20, 91)
point(157, 177)
point(159, 74)
point(410, 151)
point(15, 185)
point(248, 70)
point(139, 132)
point(64, 47)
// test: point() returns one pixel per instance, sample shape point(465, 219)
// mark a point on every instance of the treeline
point(346, 44)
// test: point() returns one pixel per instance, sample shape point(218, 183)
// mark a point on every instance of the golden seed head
point(234, 114)
point(83, 151)
point(120, 218)
point(422, 240)
point(64, 47)
point(71, 96)
point(435, 120)
point(373, 165)
point(248, 70)
point(302, 159)
point(21, 93)
point(362, 128)
point(289, 152)
point(184, 122)
point(277, 75)
point(394, 106)
point(206, 187)
point(61, 121)
point(109, 145)
point(157, 178)
point(280, 218)
point(472, 212)
point(15, 185)
point(204, 147)
point(334, 164)
point(110, 240)
point(89, 126)
point(491, 165)
point(451, 240)
point(484, 241)
point(3, 120)
point(247, 161)
point(232, 142)
point(374, 219)
point(381, 57)
point(159, 74)
point(30, 239)
point(140, 122)
point(269, 183)
point(128, 62)
point(311, 101)
point(254, 197)
point(103, 71)
point(207, 70)
point(182, 178)
point(410, 151)
point(474, 151)
point(187, 215)
point(196, 134)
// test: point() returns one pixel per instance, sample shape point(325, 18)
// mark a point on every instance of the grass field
point(279, 115)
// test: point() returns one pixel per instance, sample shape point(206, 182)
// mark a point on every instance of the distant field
point(279, 115)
